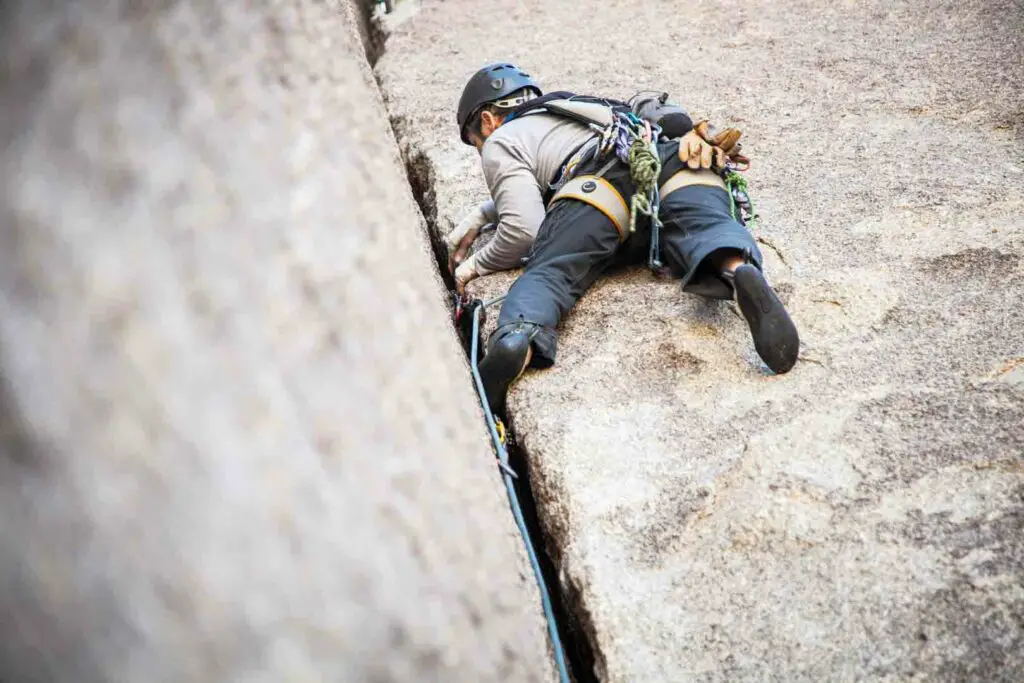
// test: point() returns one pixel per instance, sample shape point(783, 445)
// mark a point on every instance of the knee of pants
point(511, 343)
point(536, 298)
point(542, 339)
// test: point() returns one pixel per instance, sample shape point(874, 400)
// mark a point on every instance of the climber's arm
point(460, 240)
point(520, 211)
point(519, 204)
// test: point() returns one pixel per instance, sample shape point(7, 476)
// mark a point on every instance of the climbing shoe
point(508, 353)
point(775, 335)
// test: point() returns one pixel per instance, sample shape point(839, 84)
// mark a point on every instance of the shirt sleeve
point(519, 204)
point(489, 211)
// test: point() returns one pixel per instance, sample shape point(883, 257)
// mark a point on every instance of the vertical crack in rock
point(575, 625)
point(422, 178)
point(370, 31)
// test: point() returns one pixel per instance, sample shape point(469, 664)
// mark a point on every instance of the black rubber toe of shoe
point(503, 363)
point(775, 335)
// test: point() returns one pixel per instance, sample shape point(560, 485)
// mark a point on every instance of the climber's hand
point(466, 272)
point(462, 237)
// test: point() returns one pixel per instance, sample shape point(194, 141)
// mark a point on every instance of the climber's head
point(488, 97)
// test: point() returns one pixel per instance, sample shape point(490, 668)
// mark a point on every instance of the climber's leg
point(775, 335)
point(717, 257)
point(576, 243)
point(727, 260)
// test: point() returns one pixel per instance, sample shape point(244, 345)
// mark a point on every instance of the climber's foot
point(775, 335)
point(508, 354)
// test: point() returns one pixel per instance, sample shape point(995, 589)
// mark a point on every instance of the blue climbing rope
point(509, 476)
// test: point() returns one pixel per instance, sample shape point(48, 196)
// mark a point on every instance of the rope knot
point(644, 169)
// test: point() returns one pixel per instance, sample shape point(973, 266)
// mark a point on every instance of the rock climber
point(561, 201)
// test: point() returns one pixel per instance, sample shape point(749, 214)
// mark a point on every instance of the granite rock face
point(236, 437)
point(862, 517)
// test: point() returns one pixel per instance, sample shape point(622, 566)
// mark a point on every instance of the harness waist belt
point(686, 177)
point(600, 194)
point(572, 163)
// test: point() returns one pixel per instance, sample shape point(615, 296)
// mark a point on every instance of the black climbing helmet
point(488, 85)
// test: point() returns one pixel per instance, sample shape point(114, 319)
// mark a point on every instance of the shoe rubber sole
point(775, 335)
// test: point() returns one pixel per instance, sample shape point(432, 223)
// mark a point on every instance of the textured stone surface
point(860, 518)
point(237, 438)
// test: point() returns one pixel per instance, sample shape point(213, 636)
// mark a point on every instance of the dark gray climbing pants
point(577, 243)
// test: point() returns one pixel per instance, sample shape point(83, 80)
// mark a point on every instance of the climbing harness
point(499, 437)
point(633, 140)
point(599, 193)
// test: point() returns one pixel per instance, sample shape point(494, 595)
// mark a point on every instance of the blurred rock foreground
point(237, 440)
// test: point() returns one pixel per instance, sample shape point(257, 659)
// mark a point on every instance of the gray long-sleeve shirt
point(519, 160)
